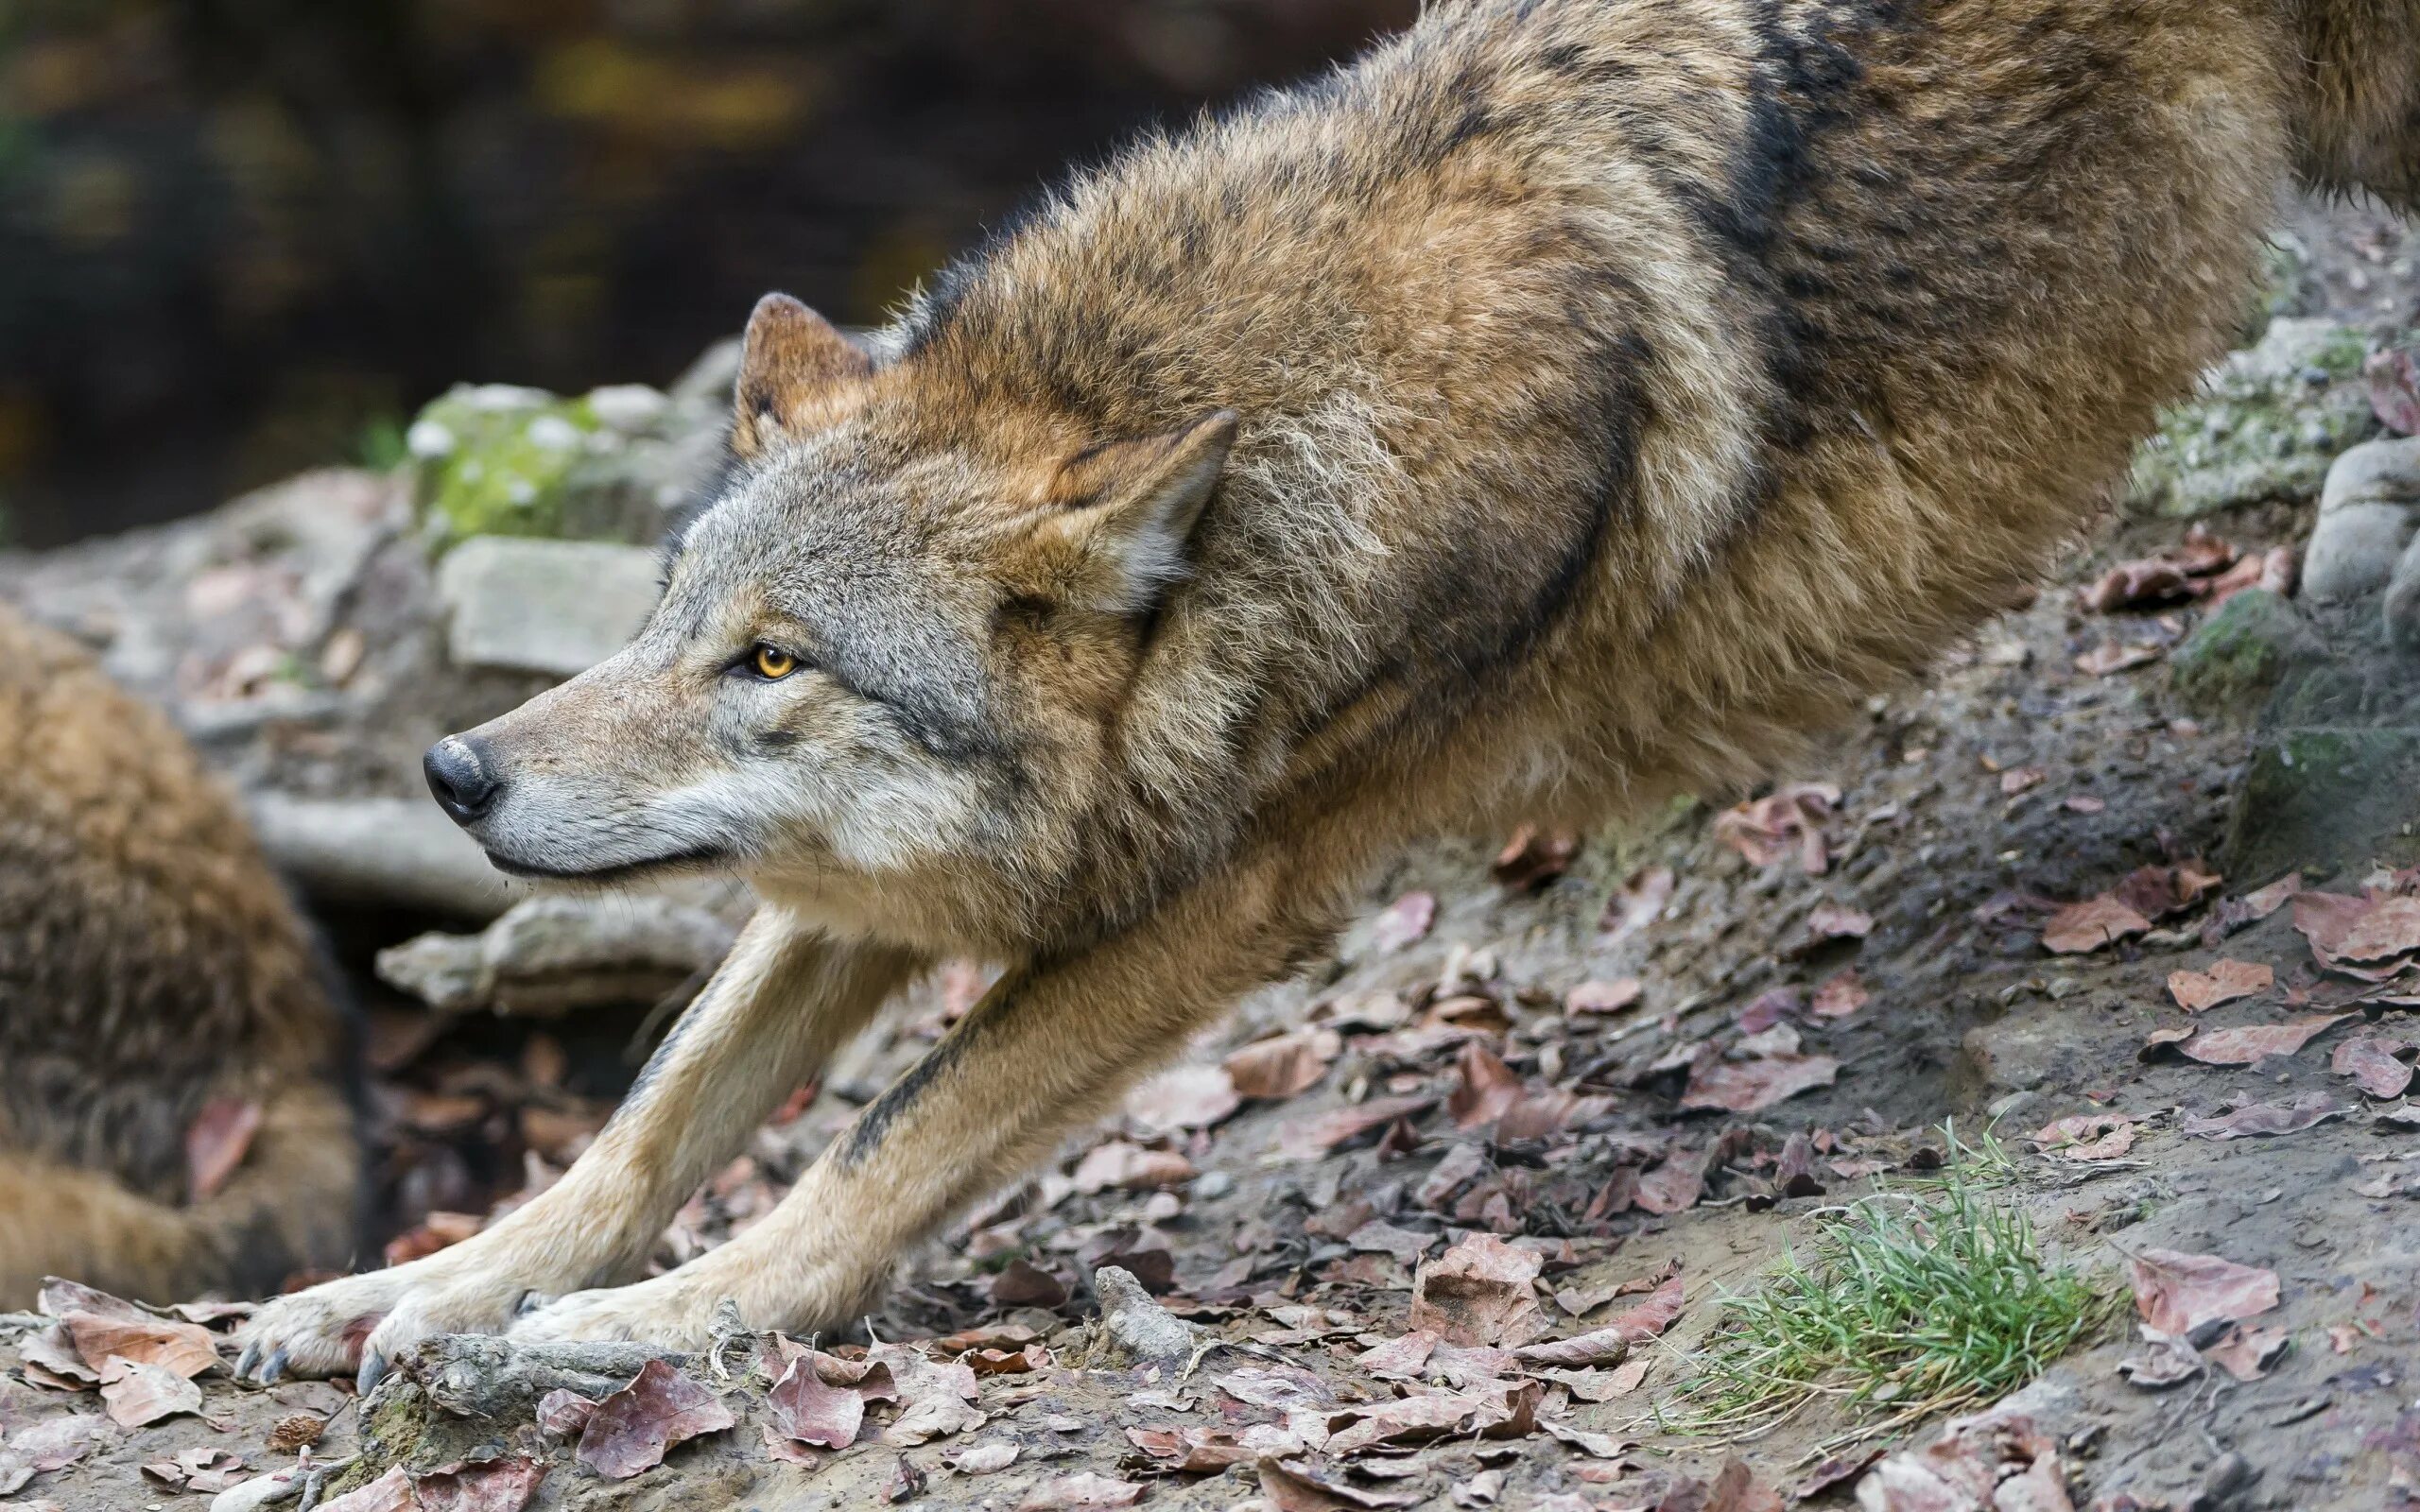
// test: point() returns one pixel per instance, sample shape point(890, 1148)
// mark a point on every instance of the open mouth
point(702, 855)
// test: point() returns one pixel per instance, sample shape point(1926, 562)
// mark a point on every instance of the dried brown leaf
point(2225, 981)
point(631, 1429)
point(504, 1484)
point(2091, 924)
point(2243, 1046)
point(811, 1411)
point(139, 1394)
point(1479, 1292)
point(2266, 1118)
point(1285, 1065)
point(1746, 1086)
point(2177, 1293)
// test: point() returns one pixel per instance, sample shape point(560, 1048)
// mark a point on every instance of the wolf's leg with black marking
point(782, 1001)
point(1052, 1045)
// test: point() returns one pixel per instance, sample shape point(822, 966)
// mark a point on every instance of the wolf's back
point(2360, 122)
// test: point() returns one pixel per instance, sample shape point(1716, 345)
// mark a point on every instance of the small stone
point(1134, 1329)
point(2368, 512)
point(558, 607)
point(2265, 426)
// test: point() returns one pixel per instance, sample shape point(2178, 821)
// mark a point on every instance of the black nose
point(459, 776)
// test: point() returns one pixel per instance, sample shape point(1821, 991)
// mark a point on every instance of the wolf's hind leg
point(1051, 1046)
point(782, 1001)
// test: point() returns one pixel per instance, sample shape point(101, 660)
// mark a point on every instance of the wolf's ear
point(1124, 509)
point(793, 364)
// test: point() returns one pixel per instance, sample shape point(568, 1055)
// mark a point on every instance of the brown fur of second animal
point(1573, 403)
point(150, 967)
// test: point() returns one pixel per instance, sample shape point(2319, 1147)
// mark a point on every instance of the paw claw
point(273, 1368)
point(374, 1369)
point(244, 1362)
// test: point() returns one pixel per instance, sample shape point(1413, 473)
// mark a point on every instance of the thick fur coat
point(1573, 402)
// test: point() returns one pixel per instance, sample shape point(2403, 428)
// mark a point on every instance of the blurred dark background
point(241, 237)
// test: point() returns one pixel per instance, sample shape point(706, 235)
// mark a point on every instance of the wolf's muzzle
point(462, 777)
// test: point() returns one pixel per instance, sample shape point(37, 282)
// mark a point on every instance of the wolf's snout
point(462, 776)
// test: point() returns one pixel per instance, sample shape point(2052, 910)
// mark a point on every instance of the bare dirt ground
point(1580, 1090)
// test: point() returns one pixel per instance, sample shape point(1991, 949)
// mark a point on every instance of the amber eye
point(771, 662)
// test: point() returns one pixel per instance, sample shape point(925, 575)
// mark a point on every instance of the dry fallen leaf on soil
point(811, 1411)
point(2177, 1293)
point(1023, 1283)
point(1297, 1487)
point(2225, 981)
point(2247, 1353)
point(1311, 1138)
point(936, 1400)
point(2110, 658)
point(2266, 1118)
point(1996, 1460)
point(1673, 1186)
point(2087, 1137)
point(1609, 1344)
point(1479, 1292)
point(1486, 1088)
point(1534, 857)
point(2365, 937)
point(1405, 922)
point(1598, 996)
point(1841, 994)
point(1183, 1098)
point(1283, 1066)
point(1789, 821)
point(142, 1394)
point(216, 1144)
point(1636, 903)
point(504, 1484)
point(2166, 1360)
point(2091, 924)
point(984, 1459)
point(1128, 1167)
point(2156, 892)
point(1749, 1085)
point(185, 1349)
point(1829, 921)
point(390, 1492)
point(2371, 1060)
point(564, 1411)
point(2242, 1047)
point(631, 1429)
point(55, 1443)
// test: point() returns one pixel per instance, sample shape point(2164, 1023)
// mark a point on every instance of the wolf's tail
point(2361, 117)
point(291, 1206)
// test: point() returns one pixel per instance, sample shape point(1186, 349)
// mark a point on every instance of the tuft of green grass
point(1908, 1304)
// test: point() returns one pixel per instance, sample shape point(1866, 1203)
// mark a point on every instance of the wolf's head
point(893, 647)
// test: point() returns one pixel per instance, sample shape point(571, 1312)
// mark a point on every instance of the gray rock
point(2368, 511)
point(2324, 797)
point(2237, 657)
point(2265, 426)
point(2401, 607)
point(553, 954)
point(379, 851)
point(1134, 1329)
point(529, 605)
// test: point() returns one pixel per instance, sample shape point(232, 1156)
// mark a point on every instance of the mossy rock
point(2326, 797)
point(2242, 654)
point(496, 459)
point(2265, 426)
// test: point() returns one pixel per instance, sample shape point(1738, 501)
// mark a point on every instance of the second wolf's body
point(1574, 401)
point(161, 1010)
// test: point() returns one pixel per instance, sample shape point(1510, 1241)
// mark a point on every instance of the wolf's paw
point(318, 1332)
point(667, 1312)
point(362, 1323)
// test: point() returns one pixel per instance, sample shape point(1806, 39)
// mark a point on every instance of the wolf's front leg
point(784, 999)
point(1051, 1046)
